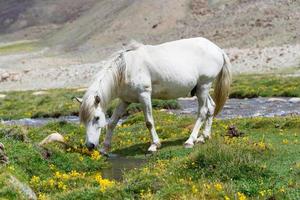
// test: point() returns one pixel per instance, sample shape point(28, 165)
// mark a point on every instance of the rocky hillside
point(32, 19)
point(96, 24)
point(59, 36)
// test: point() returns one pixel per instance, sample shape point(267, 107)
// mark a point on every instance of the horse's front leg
point(117, 114)
point(145, 100)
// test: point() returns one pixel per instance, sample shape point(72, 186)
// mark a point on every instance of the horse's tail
point(222, 85)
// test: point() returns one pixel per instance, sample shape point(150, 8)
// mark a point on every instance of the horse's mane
point(111, 73)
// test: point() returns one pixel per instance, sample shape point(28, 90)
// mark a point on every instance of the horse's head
point(93, 117)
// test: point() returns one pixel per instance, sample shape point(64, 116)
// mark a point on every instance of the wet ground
point(234, 108)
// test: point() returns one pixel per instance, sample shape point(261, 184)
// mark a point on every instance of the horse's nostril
point(90, 146)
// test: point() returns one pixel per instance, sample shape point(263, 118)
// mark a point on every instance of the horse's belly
point(171, 90)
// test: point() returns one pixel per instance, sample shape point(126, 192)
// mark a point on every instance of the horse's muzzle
point(90, 146)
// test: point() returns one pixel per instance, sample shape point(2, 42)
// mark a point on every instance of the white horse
point(166, 71)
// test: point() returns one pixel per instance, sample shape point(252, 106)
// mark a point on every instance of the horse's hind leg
point(117, 114)
point(209, 119)
point(145, 99)
point(202, 95)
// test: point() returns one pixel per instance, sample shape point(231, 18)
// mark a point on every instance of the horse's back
point(190, 57)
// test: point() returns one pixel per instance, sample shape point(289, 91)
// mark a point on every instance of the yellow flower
point(261, 145)
point(95, 155)
point(104, 183)
point(74, 173)
point(65, 176)
point(52, 167)
point(61, 185)
point(35, 180)
point(206, 186)
point(42, 196)
point(57, 175)
point(51, 182)
point(282, 190)
point(241, 196)
point(226, 197)
point(81, 158)
point(194, 189)
point(81, 141)
point(262, 193)
point(218, 186)
point(285, 141)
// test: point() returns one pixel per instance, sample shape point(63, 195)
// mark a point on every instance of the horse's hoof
point(153, 148)
point(207, 137)
point(200, 140)
point(103, 151)
point(188, 145)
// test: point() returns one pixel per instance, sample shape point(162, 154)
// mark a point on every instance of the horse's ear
point(79, 100)
point(97, 100)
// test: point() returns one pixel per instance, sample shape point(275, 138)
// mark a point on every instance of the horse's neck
point(106, 87)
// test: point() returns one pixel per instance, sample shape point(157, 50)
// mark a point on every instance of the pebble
point(276, 99)
point(5, 76)
point(294, 100)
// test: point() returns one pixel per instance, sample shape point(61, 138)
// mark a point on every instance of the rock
point(25, 189)
point(276, 99)
point(39, 93)
point(294, 100)
point(15, 77)
point(2, 96)
point(81, 89)
point(3, 157)
point(54, 137)
point(4, 76)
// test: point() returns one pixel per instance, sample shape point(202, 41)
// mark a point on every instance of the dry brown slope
point(229, 23)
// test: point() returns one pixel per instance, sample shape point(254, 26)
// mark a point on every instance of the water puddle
point(119, 165)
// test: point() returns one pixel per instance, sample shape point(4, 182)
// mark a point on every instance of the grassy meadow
point(263, 163)
point(19, 47)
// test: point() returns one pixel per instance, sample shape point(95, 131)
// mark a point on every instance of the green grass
point(55, 103)
point(58, 102)
point(262, 164)
point(249, 86)
point(18, 47)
